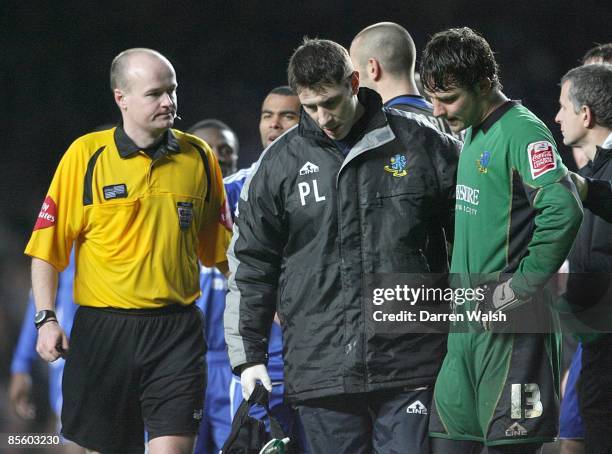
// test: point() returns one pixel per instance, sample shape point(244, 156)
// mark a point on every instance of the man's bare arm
point(44, 284)
point(52, 341)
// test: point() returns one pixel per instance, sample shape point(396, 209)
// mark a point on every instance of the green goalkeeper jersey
point(516, 210)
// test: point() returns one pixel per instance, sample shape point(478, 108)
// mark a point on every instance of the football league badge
point(483, 162)
point(185, 214)
point(398, 166)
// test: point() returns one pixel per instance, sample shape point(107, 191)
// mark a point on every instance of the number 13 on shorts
point(525, 401)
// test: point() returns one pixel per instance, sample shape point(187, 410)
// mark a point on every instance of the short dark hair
point(210, 123)
point(283, 90)
point(318, 62)
point(591, 86)
point(458, 57)
point(603, 51)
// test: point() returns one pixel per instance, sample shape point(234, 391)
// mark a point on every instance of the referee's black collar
point(494, 116)
point(127, 147)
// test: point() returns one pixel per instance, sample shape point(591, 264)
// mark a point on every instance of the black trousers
point(381, 422)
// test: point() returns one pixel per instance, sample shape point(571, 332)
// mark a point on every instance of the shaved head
point(121, 65)
point(390, 44)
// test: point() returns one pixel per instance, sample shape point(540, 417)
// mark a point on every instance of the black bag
point(248, 434)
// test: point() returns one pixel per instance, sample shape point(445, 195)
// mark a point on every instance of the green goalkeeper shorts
point(498, 389)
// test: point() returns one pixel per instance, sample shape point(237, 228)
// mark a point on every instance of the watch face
point(40, 316)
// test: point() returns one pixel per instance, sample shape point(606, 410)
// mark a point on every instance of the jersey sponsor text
point(47, 215)
point(541, 158)
point(467, 194)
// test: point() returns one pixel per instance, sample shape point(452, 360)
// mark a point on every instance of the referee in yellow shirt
point(141, 203)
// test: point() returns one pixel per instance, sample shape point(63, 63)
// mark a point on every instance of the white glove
point(500, 298)
point(250, 376)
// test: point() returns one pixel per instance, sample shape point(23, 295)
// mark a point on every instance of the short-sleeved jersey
point(515, 210)
point(139, 222)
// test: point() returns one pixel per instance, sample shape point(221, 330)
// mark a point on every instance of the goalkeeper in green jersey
point(516, 217)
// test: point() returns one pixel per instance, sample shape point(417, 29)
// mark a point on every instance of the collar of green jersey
point(494, 116)
point(127, 147)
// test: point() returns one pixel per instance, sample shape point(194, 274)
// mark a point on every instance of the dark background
point(54, 79)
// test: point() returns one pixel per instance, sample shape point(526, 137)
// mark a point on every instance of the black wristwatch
point(43, 317)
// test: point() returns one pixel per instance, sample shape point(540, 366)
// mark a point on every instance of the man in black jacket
point(585, 116)
point(351, 191)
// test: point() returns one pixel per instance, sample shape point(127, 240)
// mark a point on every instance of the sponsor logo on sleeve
point(541, 158)
point(48, 214)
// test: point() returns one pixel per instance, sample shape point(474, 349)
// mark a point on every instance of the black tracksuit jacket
point(312, 224)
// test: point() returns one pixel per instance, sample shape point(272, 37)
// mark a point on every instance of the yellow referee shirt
point(139, 223)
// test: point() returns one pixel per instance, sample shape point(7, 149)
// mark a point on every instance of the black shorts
point(131, 370)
